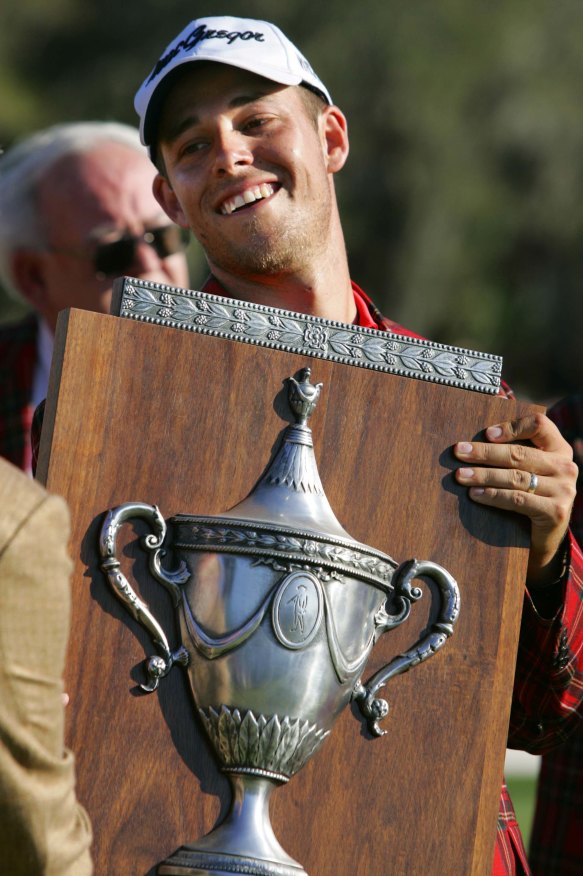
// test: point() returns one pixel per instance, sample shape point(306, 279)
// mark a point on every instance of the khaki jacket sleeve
point(43, 829)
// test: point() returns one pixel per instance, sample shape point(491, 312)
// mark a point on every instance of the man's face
point(247, 169)
point(88, 200)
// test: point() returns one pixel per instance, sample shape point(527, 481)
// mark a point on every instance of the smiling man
point(252, 169)
point(247, 142)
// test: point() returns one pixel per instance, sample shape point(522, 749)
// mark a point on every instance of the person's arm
point(548, 688)
point(42, 826)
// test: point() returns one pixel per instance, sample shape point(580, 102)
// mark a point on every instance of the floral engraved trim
point(316, 336)
point(263, 743)
point(350, 560)
point(308, 335)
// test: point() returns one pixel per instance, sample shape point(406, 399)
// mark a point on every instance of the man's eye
point(189, 147)
point(194, 146)
point(255, 122)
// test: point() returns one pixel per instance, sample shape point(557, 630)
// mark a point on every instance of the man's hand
point(500, 473)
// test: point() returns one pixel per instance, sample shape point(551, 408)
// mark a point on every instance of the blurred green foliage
point(463, 195)
point(523, 793)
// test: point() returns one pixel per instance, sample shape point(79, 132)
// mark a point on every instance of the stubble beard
point(281, 250)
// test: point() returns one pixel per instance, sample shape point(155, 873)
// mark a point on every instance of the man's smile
point(247, 197)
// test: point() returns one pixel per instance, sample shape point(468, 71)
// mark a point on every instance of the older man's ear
point(29, 277)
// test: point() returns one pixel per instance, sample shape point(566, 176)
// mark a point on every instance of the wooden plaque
point(146, 413)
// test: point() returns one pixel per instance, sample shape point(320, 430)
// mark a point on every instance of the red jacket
point(556, 847)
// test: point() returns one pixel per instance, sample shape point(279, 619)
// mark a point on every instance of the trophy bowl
point(279, 609)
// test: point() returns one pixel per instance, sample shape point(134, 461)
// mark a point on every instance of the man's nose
point(232, 150)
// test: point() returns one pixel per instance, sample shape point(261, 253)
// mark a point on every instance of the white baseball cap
point(256, 46)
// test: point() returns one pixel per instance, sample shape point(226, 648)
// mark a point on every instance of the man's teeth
point(249, 196)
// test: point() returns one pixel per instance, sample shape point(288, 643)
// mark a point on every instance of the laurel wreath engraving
point(317, 552)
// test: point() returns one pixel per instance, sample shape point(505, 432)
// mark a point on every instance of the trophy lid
point(287, 517)
point(290, 493)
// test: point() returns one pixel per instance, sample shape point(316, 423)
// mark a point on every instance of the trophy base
point(244, 843)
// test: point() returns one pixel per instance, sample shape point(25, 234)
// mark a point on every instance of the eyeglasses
point(116, 257)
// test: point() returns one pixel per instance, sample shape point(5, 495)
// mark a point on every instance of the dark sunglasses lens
point(116, 258)
point(113, 259)
point(167, 241)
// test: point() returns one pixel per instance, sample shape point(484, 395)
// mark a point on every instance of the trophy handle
point(374, 709)
point(156, 666)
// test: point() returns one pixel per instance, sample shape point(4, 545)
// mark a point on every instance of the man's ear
point(335, 130)
point(28, 274)
point(164, 194)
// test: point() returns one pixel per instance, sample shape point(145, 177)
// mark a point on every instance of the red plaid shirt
point(556, 847)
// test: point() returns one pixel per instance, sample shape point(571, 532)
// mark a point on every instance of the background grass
point(522, 790)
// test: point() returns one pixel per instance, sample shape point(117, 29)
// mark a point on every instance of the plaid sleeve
point(548, 686)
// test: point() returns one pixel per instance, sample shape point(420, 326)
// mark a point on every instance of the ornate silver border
point(206, 314)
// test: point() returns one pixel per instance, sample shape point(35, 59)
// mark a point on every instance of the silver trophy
point(279, 608)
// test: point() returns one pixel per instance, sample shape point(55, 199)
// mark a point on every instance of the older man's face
point(89, 200)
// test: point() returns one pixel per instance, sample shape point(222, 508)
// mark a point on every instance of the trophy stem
point(243, 843)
